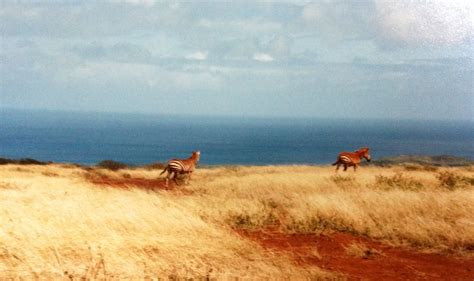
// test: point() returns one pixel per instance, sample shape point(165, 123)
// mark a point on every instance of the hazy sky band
point(341, 59)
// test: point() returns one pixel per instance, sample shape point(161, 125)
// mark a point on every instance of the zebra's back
point(176, 164)
point(181, 166)
point(349, 158)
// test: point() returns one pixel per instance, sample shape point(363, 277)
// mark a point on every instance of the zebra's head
point(197, 155)
point(364, 152)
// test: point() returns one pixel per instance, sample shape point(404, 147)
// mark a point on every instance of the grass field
point(66, 222)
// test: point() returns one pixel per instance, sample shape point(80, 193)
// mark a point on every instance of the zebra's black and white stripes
point(348, 159)
point(176, 167)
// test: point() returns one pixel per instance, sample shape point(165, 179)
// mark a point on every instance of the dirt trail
point(329, 252)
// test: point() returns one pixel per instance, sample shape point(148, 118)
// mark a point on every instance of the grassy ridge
point(57, 224)
point(437, 160)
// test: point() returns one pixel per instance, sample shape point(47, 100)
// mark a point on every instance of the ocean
point(87, 138)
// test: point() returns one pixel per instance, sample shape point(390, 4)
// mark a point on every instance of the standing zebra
point(352, 158)
point(181, 166)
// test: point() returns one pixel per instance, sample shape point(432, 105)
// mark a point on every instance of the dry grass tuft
point(361, 250)
point(398, 180)
point(343, 181)
point(451, 180)
point(419, 167)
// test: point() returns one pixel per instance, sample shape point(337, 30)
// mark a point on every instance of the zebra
point(352, 158)
point(181, 166)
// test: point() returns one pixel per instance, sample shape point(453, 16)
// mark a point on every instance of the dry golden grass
point(413, 209)
point(360, 250)
point(56, 224)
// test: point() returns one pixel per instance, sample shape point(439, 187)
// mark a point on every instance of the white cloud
point(263, 57)
point(392, 23)
point(146, 48)
point(197, 56)
point(434, 22)
point(337, 21)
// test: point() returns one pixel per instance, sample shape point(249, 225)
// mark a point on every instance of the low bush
point(29, 161)
point(399, 181)
point(451, 180)
point(23, 161)
point(155, 166)
point(448, 179)
point(468, 180)
point(4, 161)
point(241, 221)
point(112, 165)
point(418, 167)
point(343, 180)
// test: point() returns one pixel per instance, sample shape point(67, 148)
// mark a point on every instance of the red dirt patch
point(329, 252)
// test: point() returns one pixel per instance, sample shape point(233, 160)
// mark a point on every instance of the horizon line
point(229, 116)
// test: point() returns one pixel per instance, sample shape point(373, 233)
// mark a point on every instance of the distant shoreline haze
point(88, 138)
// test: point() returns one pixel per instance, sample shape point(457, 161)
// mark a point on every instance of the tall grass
point(61, 226)
point(403, 208)
point(56, 224)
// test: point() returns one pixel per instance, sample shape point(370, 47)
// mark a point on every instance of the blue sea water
point(88, 138)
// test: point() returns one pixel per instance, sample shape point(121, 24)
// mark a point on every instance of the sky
point(323, 59)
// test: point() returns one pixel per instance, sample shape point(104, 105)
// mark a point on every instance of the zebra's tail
point(335, 163)
point(166, 168)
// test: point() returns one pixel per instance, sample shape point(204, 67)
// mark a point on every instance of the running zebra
point(181, 166)
point(352, 158)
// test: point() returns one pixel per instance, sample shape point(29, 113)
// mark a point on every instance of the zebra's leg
point(337, 166)
point(168, 176)
point(355, 168)
point(345, 167)
point(189, 176)
point(186, 180)
point(175, 178)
